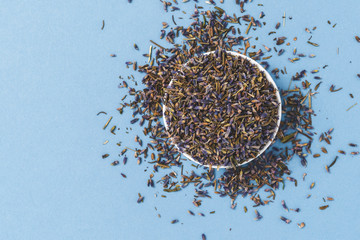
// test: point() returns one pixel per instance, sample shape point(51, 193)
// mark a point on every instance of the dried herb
point(314, 44)
point(284, 19)
point(333, 162)
point(114, 163)
point(103, 25)
point(301, 225)
point(351, 107)
point(102, 112)
point(323, 207)
point(304, 175)
point(284, 205)
point(140, 199)
point(324, 150)
point(280, 40)
point(112, 130)
point(286, 220)
point(289, 137)
point(332, 89)
point(107, 123)
point(174, 221)
point(257, 215)
point(357, 38)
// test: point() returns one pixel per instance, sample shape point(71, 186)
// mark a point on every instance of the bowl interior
point(269, 78)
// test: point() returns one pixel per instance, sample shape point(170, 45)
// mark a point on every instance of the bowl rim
point(267, 145)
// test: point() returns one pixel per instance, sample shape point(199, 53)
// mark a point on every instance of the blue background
point(56, 73)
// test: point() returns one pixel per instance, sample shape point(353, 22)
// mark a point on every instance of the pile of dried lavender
point(216, 30)
point(209, 31)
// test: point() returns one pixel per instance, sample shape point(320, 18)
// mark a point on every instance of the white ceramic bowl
point(269, 78)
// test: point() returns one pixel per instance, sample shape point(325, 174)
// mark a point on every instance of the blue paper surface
point(56, 74)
